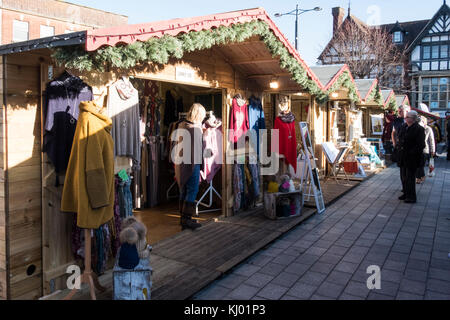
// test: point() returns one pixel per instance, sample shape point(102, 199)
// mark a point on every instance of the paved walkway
point(327, 256)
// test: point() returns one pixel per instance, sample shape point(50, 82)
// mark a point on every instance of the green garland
point(392, 105)
point(345, 81)
point(160, 50)
point(375, 95)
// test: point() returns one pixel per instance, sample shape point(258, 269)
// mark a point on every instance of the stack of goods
point(350, 164)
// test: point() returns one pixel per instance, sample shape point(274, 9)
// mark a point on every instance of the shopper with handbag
point(428, 152)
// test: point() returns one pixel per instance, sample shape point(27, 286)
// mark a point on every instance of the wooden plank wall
point(24, 180)
point(3, 224)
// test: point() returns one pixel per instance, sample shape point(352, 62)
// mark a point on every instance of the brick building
point(424, 74)
point(22, 20)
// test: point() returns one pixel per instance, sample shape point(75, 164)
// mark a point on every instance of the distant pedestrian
point(397, 125)
point(448, 137)
point(411, 143)
point(428, 152)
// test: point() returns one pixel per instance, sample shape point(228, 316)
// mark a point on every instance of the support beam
point(255, 61)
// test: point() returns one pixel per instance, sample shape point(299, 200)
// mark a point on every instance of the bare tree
point(368, 51)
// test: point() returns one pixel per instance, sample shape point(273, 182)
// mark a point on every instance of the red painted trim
point(374, 85)
point(128, 34)
point(336, 78)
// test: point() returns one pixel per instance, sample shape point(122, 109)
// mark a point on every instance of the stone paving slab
point(327, 256)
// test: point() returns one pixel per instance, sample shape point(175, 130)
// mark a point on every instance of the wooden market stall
point(371, 104)
point(221, 54)
point(332, 120)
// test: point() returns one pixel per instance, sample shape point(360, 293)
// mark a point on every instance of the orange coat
point(89, 184)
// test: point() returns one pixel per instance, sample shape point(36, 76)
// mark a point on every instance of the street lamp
point(297, 12)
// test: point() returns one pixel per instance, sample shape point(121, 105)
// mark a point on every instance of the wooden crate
point(270, 203)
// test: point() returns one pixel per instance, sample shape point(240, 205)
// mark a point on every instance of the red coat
point(288, 141)
point(238, 121)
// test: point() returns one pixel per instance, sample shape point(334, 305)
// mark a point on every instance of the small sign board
point(184, 74)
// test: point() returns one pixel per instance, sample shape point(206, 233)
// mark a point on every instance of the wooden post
point(88, 276)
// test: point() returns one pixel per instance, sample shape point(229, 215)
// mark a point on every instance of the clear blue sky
point(315, 28)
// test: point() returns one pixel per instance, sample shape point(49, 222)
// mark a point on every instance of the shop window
point(442, 104)
point(426, 81)
point(434, 80)
point(20, 31)
point(434, 105)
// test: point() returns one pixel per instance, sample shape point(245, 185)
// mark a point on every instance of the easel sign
point(310, 172)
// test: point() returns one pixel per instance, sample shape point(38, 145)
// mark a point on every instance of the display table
point(272, 200)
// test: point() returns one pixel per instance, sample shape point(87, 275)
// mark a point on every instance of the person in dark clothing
point(448, 137)
point(411, 144)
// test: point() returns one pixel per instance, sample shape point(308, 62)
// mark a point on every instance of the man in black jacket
point(411, 145)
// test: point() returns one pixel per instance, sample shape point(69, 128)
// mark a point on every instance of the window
point(426, 39)
point(47, 31)
point(426, 52)
point(398, 37)
point(435, 92)
point(444, 51)
point(435, 52)
point(20, 31)
point(425, 66)
point(443, 65)
point(435, 65)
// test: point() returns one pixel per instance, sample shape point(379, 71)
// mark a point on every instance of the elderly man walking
point(411, 144)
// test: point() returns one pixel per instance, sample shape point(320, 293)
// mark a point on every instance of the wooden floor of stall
point(186, 262)
point(163, 221)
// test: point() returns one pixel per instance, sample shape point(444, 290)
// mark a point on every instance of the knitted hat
point(128, 256)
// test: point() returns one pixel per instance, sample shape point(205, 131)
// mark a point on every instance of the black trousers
point(408, 177)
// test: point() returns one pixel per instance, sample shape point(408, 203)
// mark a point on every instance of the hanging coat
point(239, 120)
point(89, 184)
point(256, 120)
point(287, 143)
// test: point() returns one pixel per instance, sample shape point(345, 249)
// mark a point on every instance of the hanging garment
point(254, 170)
point(213, 146)
point(125, 199)
point(239, 124)
point(123, 109)
point(238, 187)
point(256, 120)
point(287, 143)
point(170, 112)
point(153, 172)
point(63, 97)
point(89, 186)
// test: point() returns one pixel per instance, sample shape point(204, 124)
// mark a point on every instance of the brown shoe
point(186, 217)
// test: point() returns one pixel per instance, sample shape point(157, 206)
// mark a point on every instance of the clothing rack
point(210, 190)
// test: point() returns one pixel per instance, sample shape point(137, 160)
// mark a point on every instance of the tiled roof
point(365, 86)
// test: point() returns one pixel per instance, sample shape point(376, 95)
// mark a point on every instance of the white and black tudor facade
point(425, 73)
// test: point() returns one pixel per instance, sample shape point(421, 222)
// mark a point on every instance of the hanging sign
point(184, 74)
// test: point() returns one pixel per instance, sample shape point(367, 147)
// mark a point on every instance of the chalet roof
point(242, 54)
point(402, 99)
point(365, 86)
point(327, 73)
point(386, 95)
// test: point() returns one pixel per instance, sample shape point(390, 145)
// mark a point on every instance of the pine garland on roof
point(160, 50)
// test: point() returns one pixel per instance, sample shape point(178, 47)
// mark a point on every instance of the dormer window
point(398, 37)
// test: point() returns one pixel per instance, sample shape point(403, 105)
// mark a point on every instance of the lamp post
point(297, 12)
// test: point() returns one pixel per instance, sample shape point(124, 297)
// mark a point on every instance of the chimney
point(338, 18)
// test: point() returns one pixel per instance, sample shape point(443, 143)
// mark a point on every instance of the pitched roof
point(365, 87)
point(386, 95)
point(402, 99)
point(444, 9)
point(411, 29)
point(327, 73)
point(128, 34)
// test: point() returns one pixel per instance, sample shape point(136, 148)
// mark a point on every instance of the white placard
point(184, 74)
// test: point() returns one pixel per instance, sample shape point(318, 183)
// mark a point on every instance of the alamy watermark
point(374, 281)
point(251, 147)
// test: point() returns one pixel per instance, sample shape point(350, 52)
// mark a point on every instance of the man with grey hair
point(411, 142)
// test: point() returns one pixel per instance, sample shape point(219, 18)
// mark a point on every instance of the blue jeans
point(190, 189)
